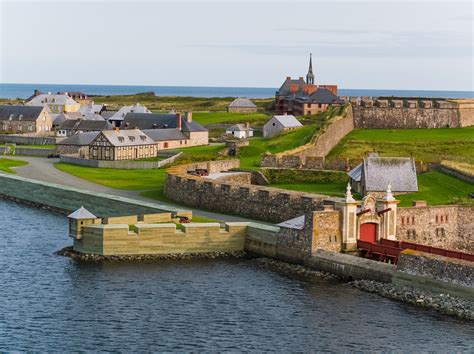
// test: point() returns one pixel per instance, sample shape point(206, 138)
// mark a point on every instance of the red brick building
point(300, 97)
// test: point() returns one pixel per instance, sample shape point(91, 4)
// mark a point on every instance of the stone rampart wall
point(256, 202)
point(411, 113)
point(444, 226)
point(116, 239)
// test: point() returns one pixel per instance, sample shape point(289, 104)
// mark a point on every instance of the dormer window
point(132, 138)
point(143, 137)
point(121, 139)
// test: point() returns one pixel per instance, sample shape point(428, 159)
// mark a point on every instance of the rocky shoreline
point(443, 303)
point(87, 257)
point(292, 269)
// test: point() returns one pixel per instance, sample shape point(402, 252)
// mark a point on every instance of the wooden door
point(368, 232)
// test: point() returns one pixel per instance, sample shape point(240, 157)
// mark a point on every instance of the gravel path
point(42, 169)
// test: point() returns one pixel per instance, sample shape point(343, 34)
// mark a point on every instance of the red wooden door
point(367, 232)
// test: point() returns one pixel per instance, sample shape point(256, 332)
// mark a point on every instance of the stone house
point(71, 127)
point(375, 173)
point(242, 105)
point(56, 103)
point(25, 120)
point(240, 131)
point(194, 133)
point(77, 144)
point(300, 97)
point(279, 124)
point(122, 145)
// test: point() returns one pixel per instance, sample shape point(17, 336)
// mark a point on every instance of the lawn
point(38, 146)
point(205, 118)
point(116, 178)
point(428, 145)
point(7, 164)
point(329, 189)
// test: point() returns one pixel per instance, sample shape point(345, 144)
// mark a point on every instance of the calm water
point(53, 303)
point(26, 90)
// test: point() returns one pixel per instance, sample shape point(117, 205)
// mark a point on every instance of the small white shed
point(278, 124)
point(240, 131)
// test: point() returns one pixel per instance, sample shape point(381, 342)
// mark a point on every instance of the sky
point(355, 44)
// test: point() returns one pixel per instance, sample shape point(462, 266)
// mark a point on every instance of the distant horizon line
point(231, 87)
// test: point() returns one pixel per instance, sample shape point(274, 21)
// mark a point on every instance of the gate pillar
point(388, 209)
point(349, 221)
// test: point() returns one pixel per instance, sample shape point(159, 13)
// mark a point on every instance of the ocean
point(26, 90)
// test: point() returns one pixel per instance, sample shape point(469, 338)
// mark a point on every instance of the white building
point(240, 131)
point(279, 124)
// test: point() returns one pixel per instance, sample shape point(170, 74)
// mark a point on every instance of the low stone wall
point(149, 239)
point(456, 174)
point(257, 202)
point(28, 151)
point(121, 164)
point(443, 226)
point(261, 240)
point(28, 140)
point(67, 199)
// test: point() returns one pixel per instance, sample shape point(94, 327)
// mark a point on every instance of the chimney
point(189, 117)
point(288, 78)
point(36, 93)
point(178, 121)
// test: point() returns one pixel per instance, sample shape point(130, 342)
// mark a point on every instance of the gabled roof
point(26, 113)
point(83, 124)
point(164, 134)
point(145, 121)
point(82, 213)
point(399, 172)
point(288, 121)
point(323, 96)
point(52, 99)
point(130, 137)
point(238, 128)
point(285, 87)
point(80, 139)
point(242, 103)
point(356, 173)
point(122, 112)
point(91, 108)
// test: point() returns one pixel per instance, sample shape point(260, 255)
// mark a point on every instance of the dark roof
point(242, 103)
point(285, 87)
point(83, 124)
point(164, 134)
point(27, 113)
point(80, 139)
point(322, 95)
point(399, 172)
point(145, 121)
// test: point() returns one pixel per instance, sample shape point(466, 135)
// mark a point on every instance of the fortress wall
point(404, 114)
point(466, 114)
point(256, 202)
point(444, 226)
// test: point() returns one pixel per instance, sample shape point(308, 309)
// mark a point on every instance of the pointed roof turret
point(82, 213)
point(310, 75)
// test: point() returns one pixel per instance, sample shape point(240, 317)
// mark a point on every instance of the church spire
point(310, 75)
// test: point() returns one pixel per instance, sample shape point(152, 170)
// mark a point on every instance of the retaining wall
point(28, 140)
point(122, 164)
point(67, 199)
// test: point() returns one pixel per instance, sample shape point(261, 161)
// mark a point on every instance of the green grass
point(6, 165)
point(438, 188)
point(250, 155)
point(229, 118)
point(38, 146)
point(428, 145)
point(330, 189)
point(116, 178)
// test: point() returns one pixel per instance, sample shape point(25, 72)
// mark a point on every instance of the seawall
point(67, 199)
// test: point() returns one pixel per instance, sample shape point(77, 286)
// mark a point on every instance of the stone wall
point(444, 226)
point(116, 239)
point(28, 140)
point(261, 240)
point(68, 199)
point(410, 113)
point(327, 226)
point(256, 202)
point(27, 151)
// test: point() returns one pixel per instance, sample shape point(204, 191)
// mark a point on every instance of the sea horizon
point(23, 91)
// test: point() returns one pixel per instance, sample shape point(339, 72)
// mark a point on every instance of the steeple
point(310, 75)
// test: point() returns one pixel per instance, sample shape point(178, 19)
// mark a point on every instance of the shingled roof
point(164, 134)
point(26, 113)
point(242, 103)
point(80, 139)
point(285, 87)
point(144, 121)
point(323, 96)
point(131, 137)
point(83, 124)
point(379, 172)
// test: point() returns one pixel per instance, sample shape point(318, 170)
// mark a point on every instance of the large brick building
point(300, 97)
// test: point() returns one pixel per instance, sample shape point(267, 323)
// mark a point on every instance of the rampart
point(256, 202)
point(411, 113)
point(444, 226)
point(120, 164)
point(67, 199)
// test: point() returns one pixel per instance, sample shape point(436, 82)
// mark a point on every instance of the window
point(132, 138)
point(439, 232)
point(165, 145)
point(273, 124)
point(121, 139)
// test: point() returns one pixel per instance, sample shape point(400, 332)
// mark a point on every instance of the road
point(42, 169)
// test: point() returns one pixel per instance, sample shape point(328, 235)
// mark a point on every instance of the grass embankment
point(206, 118)
point(156, 103)
point(6, 165)
point(427, 145)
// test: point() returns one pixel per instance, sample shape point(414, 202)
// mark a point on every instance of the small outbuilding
point(279, 124)
point(375, 173)
point(242, 105)
point(240, 131)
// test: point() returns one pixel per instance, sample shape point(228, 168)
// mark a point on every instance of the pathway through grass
point(6, 165)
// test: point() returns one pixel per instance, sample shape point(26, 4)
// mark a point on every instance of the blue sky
point(375, 44)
